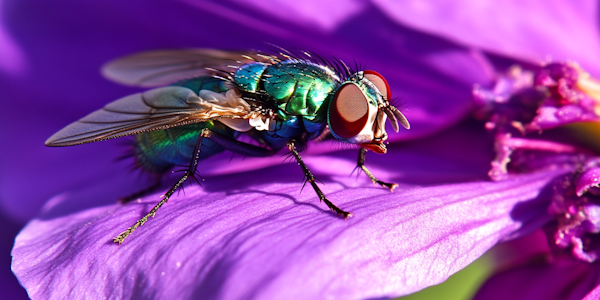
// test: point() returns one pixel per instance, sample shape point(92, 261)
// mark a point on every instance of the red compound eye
point(349, 111)
point(379, 82)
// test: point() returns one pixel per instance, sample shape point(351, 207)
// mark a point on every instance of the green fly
point(214, 97)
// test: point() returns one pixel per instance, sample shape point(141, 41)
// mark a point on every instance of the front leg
point(361, 164)
point(310, 178)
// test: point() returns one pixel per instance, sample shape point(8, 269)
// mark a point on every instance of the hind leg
point(220, 139)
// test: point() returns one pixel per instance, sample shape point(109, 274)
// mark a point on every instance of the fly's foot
point(390, 186)
point(361, 165)
point(121, 237)
point(342, 213)
point(308, 176)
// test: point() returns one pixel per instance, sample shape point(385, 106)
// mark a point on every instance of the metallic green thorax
point(299, 88)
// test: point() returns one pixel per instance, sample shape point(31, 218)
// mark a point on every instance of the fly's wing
point(163, 67)
point(155, 109)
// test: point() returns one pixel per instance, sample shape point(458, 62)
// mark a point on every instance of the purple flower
point(526, 100)
point(249, 232)
point(522, 104)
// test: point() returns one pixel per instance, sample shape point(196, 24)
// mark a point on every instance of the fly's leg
point(310, 178)
point(251, 150)
point(361, 164)
point(189, 173)
point(144, 192)
point(224, 141)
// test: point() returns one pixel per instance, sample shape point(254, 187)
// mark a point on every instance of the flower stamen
point(523, 103)
point(577, 212)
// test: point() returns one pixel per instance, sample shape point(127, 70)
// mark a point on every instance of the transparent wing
point(155, 109)
point(163, 67)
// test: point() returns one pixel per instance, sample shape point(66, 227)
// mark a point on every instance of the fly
point(280, 101)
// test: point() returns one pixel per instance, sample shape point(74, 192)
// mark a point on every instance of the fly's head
point(358, 111)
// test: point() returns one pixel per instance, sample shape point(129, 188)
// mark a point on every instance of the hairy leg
point(311, 179)
point(361, 165)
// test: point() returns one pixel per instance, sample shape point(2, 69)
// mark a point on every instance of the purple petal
point(324, 16)
point(528, 30)
point(11, 289)
point(521, 250)
point(66, 43)
point(253, 235)
point(12, 59)
point(594, 294)
point(551, 117)
point(590, 178)
point(563, 279)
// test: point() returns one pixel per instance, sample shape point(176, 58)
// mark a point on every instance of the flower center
point(590, 86)
point(576, 207)
point(523, 104)
point(555, 95)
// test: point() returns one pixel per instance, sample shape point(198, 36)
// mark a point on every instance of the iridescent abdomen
point(160, 150)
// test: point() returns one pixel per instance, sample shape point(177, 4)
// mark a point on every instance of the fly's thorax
point(247, 77)
point(297, 87)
